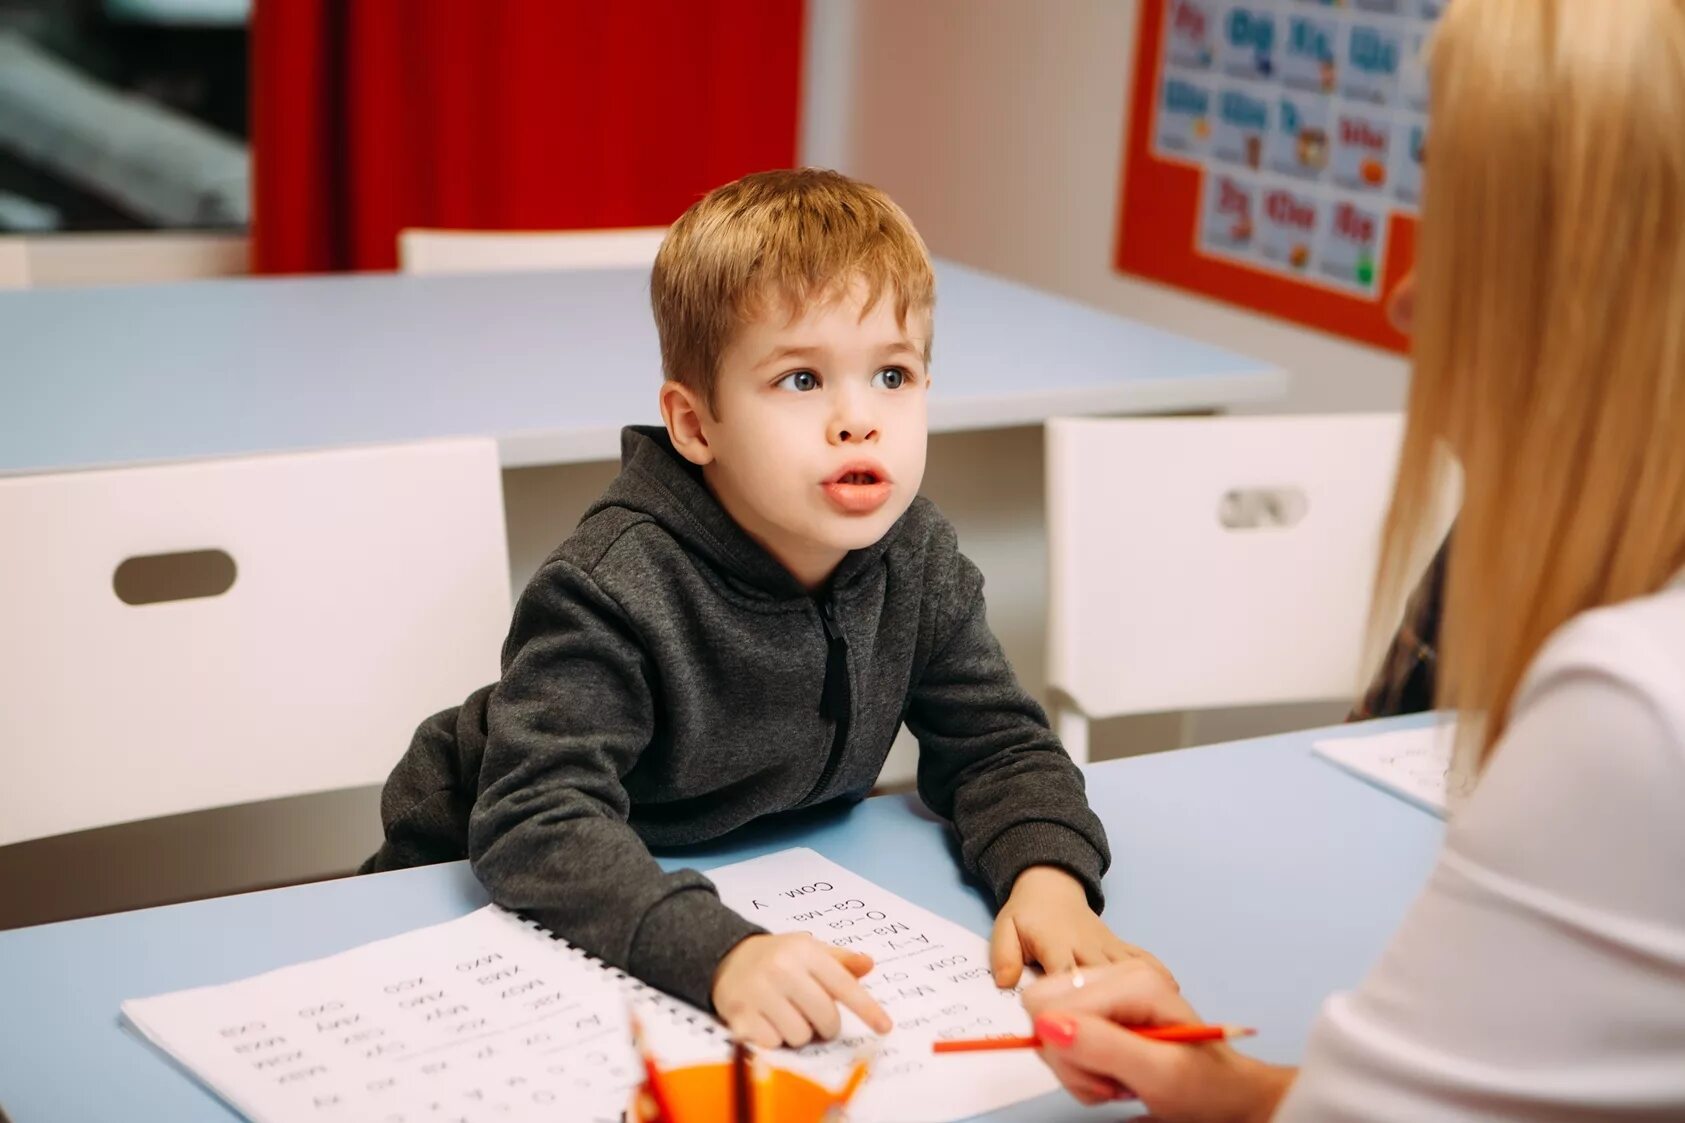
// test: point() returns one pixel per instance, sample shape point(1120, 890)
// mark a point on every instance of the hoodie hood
point(657, 482)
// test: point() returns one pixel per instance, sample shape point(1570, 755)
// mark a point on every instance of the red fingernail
point(1055, 1031)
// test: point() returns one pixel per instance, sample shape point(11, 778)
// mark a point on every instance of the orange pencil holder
point(706, 1094)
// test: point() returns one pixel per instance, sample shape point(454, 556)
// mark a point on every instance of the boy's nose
point(852, 421)
point(856, 431)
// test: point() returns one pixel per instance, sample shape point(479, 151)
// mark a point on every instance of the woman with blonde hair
point(1541, 973)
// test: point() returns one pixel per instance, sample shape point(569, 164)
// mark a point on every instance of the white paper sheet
point(487, 1018)
point(931, 976)
point(478, 1018)
point(1413, 764)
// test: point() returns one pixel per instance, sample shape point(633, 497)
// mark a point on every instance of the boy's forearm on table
point(1026, 845)
point(1013, 795)
point(993, 736)
point(681, 940)
point(1026, 806)
point(668, 929)
point(564, 853)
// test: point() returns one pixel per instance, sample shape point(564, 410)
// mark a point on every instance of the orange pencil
point(652, 1074)
point(857, 1075)
point(1182, 1034)
point(742, 1084)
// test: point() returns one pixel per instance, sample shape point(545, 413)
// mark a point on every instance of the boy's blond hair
point(793, 237)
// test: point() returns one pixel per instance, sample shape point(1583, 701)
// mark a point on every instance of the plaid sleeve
point(1405, 682)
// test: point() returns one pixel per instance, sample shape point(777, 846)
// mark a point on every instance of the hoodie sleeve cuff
point(681, 940)
point(1019, 847)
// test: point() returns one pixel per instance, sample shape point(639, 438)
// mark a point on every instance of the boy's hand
point(1047, 920)
point(784, 990)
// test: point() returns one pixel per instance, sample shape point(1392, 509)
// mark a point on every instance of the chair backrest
point(125, 258)
point(370, 587)
point(488, 251)
point(1205, 562)
point(120, 258)
point(14, 263)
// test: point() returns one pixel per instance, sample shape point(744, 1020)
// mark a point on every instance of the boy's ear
point(686, 418)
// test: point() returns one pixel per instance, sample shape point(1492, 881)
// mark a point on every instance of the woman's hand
point(1080, 1018)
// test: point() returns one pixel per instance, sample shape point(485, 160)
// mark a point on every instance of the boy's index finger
point(846, 989)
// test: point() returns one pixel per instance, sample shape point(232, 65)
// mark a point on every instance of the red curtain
point(372, 115)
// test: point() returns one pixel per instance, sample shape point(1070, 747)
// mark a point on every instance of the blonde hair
point(1549, 343)
point(795, 237)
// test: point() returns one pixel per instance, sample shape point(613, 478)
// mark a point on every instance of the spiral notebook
point(489, 1017)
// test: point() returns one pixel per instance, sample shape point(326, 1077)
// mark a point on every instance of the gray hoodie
point(665, 681)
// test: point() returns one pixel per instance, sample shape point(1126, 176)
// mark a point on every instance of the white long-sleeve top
point(1541, 974)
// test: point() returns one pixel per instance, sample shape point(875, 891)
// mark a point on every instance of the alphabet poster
point(1274, 154)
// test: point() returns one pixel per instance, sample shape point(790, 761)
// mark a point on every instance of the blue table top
point(551, 364)
point(1264, 877)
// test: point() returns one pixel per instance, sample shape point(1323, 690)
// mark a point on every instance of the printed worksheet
point(480, 1018)
point(488, 1017)
point(931, 975)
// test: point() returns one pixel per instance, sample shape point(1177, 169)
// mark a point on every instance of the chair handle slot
point(1262, 508)
point(178, 576)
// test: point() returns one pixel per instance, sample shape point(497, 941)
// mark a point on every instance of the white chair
point(369, 589)
point(14, 263)
point(490, 251)
point(127, 258)
point(1207, 562)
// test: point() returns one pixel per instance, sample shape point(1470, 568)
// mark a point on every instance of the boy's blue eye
point(799, 381)
point(890, 378)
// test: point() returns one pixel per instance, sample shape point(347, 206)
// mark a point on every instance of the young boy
point(739, 626)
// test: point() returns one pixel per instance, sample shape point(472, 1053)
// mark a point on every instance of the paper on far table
point(1413, 764)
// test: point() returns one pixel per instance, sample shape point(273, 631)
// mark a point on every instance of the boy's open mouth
point(857, 473)
point(859, 488)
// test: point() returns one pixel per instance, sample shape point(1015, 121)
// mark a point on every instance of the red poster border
point(1158, 217)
